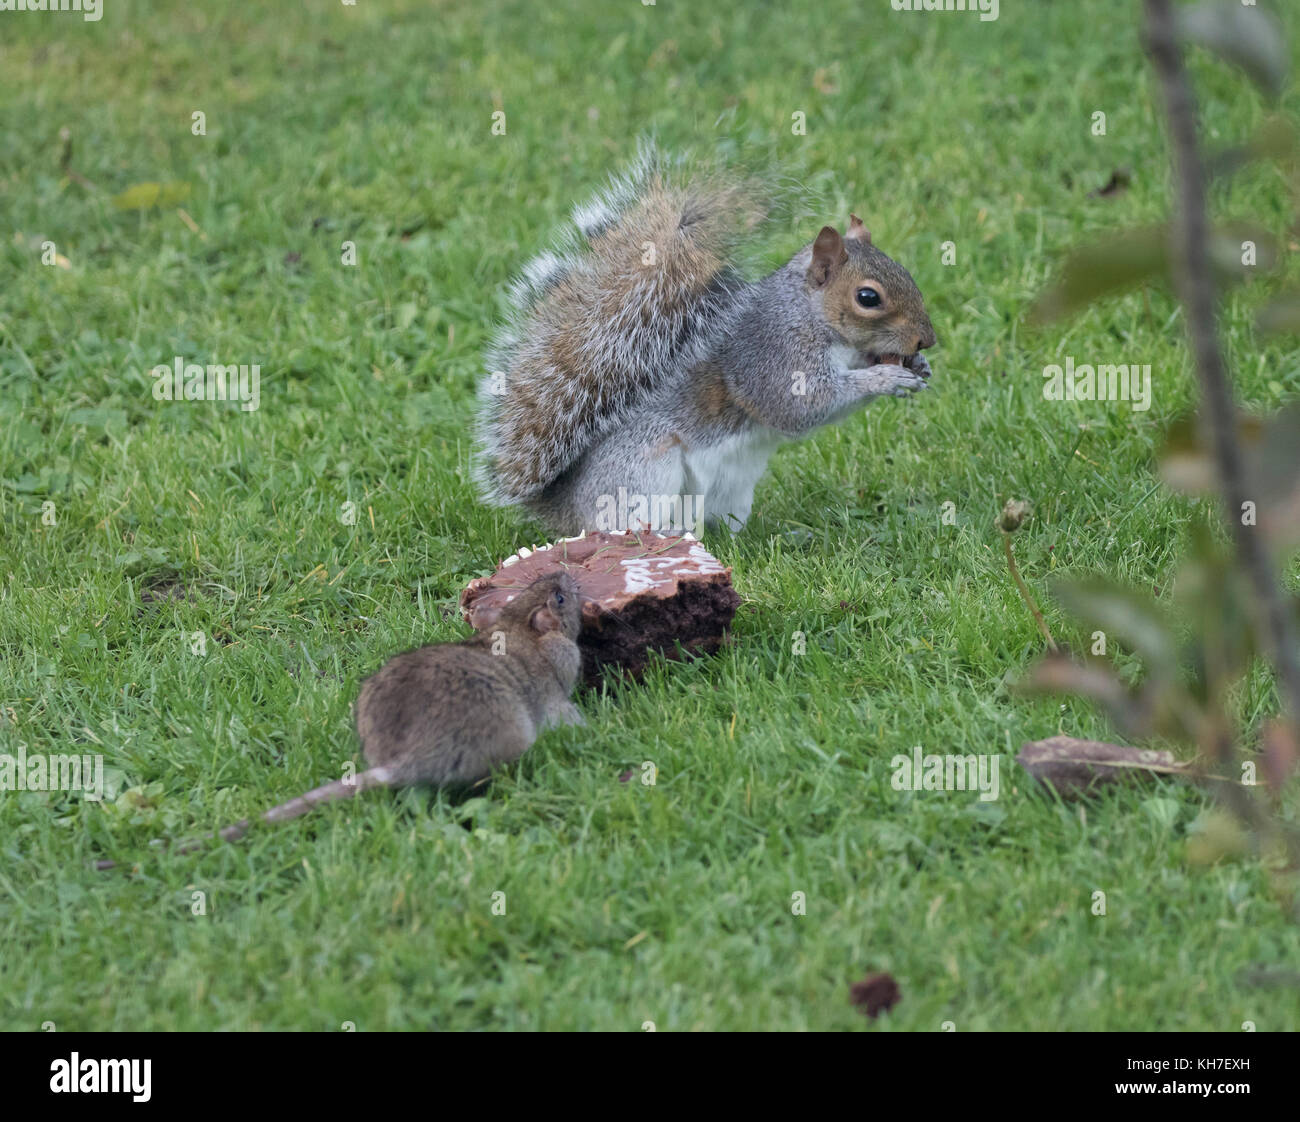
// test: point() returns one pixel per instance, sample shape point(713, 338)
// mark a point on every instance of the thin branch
point(1193, 275)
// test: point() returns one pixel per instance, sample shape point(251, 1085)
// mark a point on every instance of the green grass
point(625, 903)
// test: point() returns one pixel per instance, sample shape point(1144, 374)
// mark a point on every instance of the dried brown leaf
point(1072, 766)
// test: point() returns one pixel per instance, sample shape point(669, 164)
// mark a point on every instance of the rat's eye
point(559, 597)
point(867, 297)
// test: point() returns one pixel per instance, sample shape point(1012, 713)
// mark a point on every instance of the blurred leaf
point(1210, 593)
point(1226, 249)
point(1281, 315)
point(1185, 464)
point(1059, 674)
point(1278, 753)
point(142, 196)
point(1120, 261)
point(1125, 259)
point(1121, 613)
point(1273, 474)
point(1275, 139)
point(1269, 977)
point(1270, 455)
point(1215, 836)
point(1243, 35)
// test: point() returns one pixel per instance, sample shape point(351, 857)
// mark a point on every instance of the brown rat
point(451, 713)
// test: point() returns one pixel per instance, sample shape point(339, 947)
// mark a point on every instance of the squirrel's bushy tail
point(636, 292)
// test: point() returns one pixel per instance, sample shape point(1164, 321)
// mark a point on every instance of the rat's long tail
point(294, 808)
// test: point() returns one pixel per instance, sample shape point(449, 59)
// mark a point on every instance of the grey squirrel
point(451, 713)
point(637, 362)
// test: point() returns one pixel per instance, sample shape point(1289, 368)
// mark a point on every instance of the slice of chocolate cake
point(643, 591)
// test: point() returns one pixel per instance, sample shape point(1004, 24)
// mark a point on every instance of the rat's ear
point(544, 620)
point(828, 254)
point(857, 231)
point(483, 617)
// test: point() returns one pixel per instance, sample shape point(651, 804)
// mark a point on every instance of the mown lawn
point(626, 903)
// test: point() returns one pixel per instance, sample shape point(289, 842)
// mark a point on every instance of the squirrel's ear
point(857, 231)
point(828, 254)
point(544, 620)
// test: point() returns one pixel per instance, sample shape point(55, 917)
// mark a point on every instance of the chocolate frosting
point(642, 591)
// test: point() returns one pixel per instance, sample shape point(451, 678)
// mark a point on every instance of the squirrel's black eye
point(559, 597)
point(867, 297)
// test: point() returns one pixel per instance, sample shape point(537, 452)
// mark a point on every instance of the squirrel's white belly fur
point(725, 474)
point(670, 481)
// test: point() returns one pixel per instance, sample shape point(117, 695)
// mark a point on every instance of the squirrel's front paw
point(889, 380)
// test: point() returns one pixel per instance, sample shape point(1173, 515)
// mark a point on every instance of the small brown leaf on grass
point(875, 994)
point(1071, 766)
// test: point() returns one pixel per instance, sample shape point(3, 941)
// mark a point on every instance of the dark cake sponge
point(643, 591)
